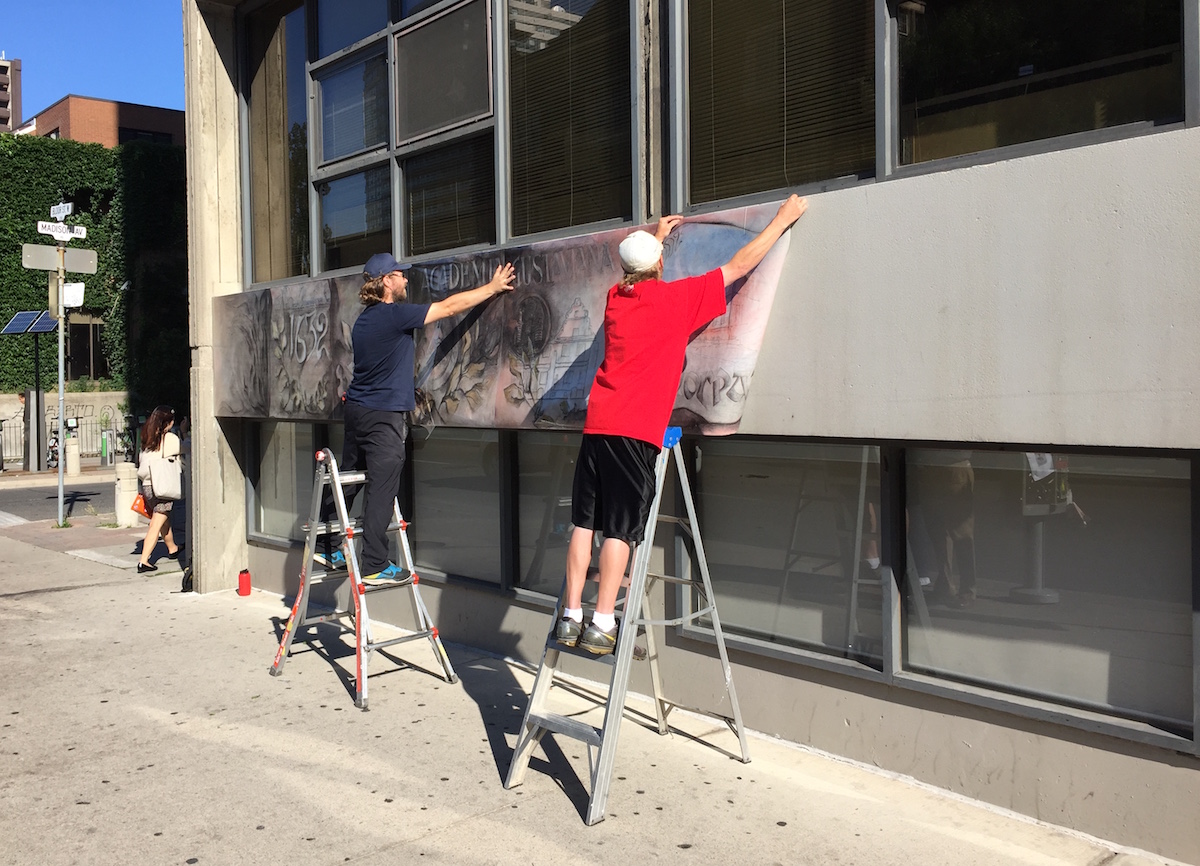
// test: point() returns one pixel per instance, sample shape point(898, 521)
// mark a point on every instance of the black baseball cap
point(380, 264)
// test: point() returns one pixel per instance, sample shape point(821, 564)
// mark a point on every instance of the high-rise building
point(10, 94)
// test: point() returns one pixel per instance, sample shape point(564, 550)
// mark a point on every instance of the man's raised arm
point(747, 258)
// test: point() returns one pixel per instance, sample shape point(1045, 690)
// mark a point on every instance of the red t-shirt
point(646, 331)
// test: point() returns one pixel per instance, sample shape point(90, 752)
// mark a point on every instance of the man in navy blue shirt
point(381, 393)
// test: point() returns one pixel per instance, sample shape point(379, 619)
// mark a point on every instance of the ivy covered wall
point(133, 201)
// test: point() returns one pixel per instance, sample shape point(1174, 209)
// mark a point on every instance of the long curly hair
point(156, 427)
point(371, 292)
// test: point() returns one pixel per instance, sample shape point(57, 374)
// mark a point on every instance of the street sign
point(72, 295)
point(40, 257)
point(62, 209)
point(61, 231)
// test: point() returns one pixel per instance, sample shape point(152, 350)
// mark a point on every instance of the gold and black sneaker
point(567, 631)
point(597, 641)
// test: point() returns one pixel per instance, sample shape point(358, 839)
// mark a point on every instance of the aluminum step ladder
point(633, 613)
point(319, 567)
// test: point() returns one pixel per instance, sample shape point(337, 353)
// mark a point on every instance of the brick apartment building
point(102, 121)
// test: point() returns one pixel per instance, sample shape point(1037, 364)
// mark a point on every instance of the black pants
point(375, 443)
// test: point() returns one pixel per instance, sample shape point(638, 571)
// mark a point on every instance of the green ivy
point(133, 201)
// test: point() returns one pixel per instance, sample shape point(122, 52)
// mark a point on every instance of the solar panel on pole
point(20, 323)
point(46, 324)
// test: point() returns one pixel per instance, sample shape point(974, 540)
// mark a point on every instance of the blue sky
point(126, 50)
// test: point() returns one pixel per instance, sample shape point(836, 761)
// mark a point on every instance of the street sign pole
point(62, 371)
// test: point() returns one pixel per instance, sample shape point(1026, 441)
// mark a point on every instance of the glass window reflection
point(356, 218)
point(341, 23)
point(790, 533)
point(456, 512)
point(978, 74)
point(547, 471)
point(1055, 575)
point(354, 108)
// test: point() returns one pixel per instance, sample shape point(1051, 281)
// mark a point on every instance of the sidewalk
point(90, 472)
point(140, 725)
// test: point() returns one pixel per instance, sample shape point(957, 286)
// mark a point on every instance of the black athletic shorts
point(614, 486)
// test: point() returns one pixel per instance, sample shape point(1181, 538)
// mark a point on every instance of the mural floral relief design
point(525, 359)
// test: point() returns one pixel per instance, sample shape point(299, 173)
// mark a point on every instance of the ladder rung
point(332, 527)
point(572, 728)
point(672, 578)
point(323, 576)
point(383, 644)
point(639, 651)
point(352, 478)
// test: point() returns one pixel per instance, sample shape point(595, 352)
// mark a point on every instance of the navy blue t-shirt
point(383, 356)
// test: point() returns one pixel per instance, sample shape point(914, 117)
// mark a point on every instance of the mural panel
point(523, 360)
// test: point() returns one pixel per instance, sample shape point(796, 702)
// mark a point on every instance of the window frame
point(887, 112)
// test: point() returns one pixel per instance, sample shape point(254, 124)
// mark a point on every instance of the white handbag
point(166, 477)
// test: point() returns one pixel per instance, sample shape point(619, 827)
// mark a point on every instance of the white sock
point(574, 614)
point(604, 621)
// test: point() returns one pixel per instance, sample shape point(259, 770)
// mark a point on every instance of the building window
point(86, 359)
point(1067, 577)
point(278, 141)
point(569, 99)
point(443, 72)
point(449, 196)
point(977, 74)
point(456, 493)
point(341, 23)
point(790, 532)
point(283, 479)
point(356, 218)
point(546, 472)
point(780, 94)
point(354, 108)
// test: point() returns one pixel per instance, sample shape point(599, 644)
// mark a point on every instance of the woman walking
point(160, 450)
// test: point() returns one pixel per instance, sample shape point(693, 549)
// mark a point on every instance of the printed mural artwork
point(523, 360)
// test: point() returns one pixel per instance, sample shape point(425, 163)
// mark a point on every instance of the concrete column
point(218, 502)
point(126, 490)
point(71, 456)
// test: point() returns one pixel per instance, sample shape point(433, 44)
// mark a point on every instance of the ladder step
point(568, 727)
point(639, 652)
point(332, 527)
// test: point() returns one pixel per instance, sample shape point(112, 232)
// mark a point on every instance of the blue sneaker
point(392, 575)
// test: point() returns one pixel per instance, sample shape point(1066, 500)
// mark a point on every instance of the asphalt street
point(41, 502)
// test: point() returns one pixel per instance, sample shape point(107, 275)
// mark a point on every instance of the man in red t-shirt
point(647, 325)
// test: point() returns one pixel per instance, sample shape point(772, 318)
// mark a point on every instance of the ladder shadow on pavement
point(327, 641)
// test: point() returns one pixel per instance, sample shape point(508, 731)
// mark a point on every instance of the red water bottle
point(244, 582)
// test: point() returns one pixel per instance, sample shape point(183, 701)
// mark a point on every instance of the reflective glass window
point(343, 22)
point(456, 512)
point(283, 482)
point(443, 72)
point(979, 74)
point(790, 531)
point(1060, 576)
point(354, 108)
point(547, 470)
point(779, 94)
point(356, 218)
point(449, 197)
point(278, 141)
point(570, 104)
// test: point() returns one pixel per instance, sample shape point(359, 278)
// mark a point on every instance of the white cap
point(639, 252)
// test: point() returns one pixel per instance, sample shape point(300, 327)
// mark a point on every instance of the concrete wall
point(1048, 299)
point(214, 268)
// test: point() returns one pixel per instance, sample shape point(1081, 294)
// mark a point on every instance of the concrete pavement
point(140, 725)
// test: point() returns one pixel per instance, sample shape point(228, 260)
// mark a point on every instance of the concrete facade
point(1043, 298)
